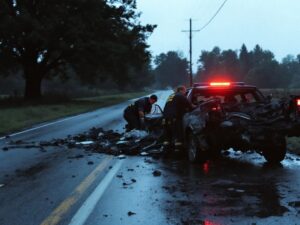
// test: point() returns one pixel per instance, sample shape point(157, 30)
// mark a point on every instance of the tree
point(257, 67)
point(245, 61)
point(96, 38)
point(171, 70)
point(260, 56)
point(218, 64)
point(291, 66)
point(229, 64)
point(266, 72)
point(266, 75)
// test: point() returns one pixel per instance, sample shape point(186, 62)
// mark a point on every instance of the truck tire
point(197, 152)
point(274, 152)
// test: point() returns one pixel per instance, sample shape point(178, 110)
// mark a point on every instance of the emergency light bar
point(298, 102)
point(219, 84)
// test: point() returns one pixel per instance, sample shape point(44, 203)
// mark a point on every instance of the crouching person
point(135, 113)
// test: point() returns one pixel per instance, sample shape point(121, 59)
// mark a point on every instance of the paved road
point(62, 186)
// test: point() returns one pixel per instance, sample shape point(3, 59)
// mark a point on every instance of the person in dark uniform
point(176, 106)
point(134, 114)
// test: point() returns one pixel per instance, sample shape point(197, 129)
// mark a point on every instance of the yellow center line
point(58, 213)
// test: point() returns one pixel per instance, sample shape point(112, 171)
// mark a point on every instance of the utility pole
point(191, 50)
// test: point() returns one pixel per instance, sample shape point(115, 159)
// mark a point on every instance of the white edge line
point(36, 128)
point(48, 124)
point(90, 203)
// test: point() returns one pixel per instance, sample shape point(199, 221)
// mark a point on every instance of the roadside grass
point(280, 92)
point(18, 114)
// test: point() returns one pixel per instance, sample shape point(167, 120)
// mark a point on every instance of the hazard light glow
point(298, 102)
point(219, 84)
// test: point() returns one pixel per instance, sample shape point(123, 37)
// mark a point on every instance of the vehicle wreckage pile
point(135, 142)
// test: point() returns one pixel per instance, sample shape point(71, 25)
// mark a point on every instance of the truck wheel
point(275, 150)
point(197, 149)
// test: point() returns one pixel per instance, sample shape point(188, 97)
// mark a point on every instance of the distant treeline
point(258, 67)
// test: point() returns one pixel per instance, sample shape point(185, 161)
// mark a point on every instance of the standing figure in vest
point(176, 106)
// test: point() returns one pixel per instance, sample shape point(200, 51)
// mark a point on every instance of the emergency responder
point(176, 106)
point(135, 113)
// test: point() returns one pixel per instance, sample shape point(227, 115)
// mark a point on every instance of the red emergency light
point(298, 102)
point(219, 84)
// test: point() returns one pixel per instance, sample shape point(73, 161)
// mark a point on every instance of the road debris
point(121, 156)
point(132, 181)
point(131, 213)
point(85, 143)
point(135, 142)
point(144, 153)
point(136, 134)
point(236, 190)
point(156, 173)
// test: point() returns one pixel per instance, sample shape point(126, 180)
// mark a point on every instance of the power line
point(191, 37)
point(211, 19)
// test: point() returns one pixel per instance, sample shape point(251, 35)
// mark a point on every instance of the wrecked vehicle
point(238, 116)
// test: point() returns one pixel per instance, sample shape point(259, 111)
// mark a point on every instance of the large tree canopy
point(218, 64)
point(92, 37)
point(171, 70)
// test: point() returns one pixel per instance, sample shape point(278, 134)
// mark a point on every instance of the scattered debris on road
point(85, 143)
point(135, 142)
point(131, 213)
point(121, 156)
point(156, 173)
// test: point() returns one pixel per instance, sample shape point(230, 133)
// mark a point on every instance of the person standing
point(176, 106)
point(135, 113)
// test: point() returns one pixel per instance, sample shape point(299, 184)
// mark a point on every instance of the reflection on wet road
point(223, 191)
point(232, 191)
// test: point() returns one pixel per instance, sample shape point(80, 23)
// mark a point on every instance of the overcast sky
point(273, 24)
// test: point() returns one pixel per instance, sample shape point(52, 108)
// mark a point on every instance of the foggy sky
point(273, 24)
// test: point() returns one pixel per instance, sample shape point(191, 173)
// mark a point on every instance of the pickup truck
point(233, 115)
point(238, 116)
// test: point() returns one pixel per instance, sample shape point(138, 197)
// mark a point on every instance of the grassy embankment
point(17, 114)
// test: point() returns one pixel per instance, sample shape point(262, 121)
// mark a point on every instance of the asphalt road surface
point(73, 187)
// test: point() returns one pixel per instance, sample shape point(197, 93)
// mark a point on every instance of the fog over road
point(71, 186)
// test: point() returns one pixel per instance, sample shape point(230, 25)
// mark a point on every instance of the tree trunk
point(33, 81)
